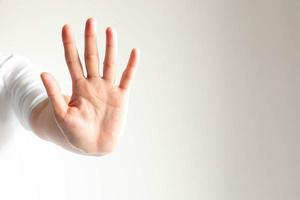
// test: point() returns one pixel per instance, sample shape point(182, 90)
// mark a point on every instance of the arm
point(91, 119)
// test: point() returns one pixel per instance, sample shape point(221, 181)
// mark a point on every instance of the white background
point(214, 112)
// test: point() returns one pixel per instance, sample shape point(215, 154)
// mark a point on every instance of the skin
point(91, 119)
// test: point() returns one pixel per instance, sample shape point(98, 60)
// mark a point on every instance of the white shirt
point(3, 59)
point(21, 79)
point(8, 120)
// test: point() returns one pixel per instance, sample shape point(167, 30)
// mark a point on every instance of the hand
point(93, 118)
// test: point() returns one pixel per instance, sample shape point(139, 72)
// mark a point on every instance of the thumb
point(56, 98)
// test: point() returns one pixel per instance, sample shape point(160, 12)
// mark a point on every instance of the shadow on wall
point(6, 115)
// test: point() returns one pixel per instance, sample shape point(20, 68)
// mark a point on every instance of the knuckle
point(109, 63)
point(109, 44)
point(71, 61)
point(127, 76)
point(91, 56)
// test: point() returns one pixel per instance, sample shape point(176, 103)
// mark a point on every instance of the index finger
point(71, 54)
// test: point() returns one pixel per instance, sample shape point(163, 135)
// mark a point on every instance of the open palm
point(93, 117)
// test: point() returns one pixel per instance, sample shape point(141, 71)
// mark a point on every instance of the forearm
point(29, 99)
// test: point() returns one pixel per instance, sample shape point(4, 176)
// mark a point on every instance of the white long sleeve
point(21, 79)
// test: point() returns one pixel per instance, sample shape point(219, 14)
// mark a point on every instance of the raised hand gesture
point(93, 117)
